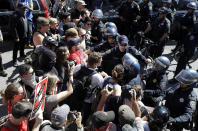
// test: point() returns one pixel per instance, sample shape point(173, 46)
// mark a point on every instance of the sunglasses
point(88, 23)
point(46, 24)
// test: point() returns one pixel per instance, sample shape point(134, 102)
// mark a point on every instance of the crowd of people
point(96, 73)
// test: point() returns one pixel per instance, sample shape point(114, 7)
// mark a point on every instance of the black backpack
point(81, 84)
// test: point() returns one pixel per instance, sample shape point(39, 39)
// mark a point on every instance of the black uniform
point(189, 47)
point(156, 83)
point(182, 105)
point(114, 56)
point(97, 31)
point(187, 21)
point(75, 14)
point(20, 31)
point(103, 47)
point(159, 28)
point(129, 11)
point(146, 9)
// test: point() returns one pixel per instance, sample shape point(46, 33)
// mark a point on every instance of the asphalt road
point(13, 73)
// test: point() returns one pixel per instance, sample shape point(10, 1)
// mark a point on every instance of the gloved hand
point(171, 121)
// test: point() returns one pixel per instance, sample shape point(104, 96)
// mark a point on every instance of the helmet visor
point(184, 78)
point(158, 65)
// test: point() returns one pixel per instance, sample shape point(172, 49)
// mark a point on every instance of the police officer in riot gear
point(132, 70)
point(97, 26)
point(115, 55)
point(188, 49)
point(110, 25)
point(182, 101)
point(110, 34)
point(129, 13)
point(158, 31)
point(156, 81)
point(157, 121)
point(187, 21)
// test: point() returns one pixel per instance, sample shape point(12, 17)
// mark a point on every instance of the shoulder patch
point(193, 105)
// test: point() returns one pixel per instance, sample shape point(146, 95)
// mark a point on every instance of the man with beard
point(28, 79)
point(20, 30)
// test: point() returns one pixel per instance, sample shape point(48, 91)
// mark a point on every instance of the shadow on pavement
point(11, 77)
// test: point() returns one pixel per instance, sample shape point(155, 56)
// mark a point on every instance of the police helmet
point(111, 31)
point(49, 41)
point(192, 5)
point(163, 10)
point(167, 1)
point(161, 64)
point(130, 63)
point(187, 76)
point(160, 116)
point(97, 13)
point(110, 24)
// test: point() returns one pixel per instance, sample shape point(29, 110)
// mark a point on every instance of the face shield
point(158, 65)
point(186, 77)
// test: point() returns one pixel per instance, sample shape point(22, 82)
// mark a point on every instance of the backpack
point(81, 86)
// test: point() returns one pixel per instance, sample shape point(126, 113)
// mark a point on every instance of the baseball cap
point(81, 2)
point(101, 118)
point(122, 39)
point(73, 42)
point(59, 114)
point(126, 115)
point(68, 25)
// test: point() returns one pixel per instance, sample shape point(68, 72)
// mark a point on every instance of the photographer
point(62, 119)
point(130, 96)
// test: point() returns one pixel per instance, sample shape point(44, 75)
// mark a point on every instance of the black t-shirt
point(75, 14)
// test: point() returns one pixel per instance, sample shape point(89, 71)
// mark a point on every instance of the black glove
point(171, 121)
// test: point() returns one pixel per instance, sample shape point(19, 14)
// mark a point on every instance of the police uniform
point(156, 83)
point(187, 21)
point(114, 56)
point(129, 11)
point(182, 105)
point(96, 31)
point(189, 47)
point(159, 28)
point(103, 47)
point(146, 9)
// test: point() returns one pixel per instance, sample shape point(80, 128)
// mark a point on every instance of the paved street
point(12, 71)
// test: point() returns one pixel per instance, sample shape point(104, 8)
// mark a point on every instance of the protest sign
point(39, 98)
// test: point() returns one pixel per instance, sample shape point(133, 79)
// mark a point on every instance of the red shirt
point(78, 56)
point(9, 107)
point(22, 127)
